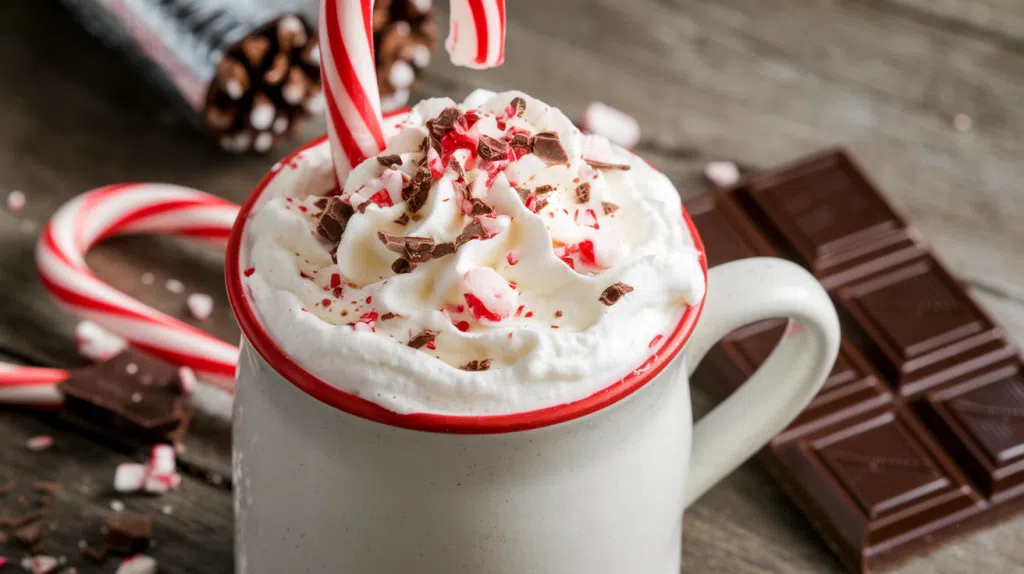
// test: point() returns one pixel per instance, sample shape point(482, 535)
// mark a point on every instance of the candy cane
point(349, 76)
point(35, 386)
point(130, 209)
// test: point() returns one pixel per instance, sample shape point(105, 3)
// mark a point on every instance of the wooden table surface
point(757, 82)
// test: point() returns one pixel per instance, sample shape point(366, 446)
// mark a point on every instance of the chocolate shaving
point(548, 148)
point(416, 191)
point(127, 533)
point(30, 534)
point(475, 365)
point(415, 249)
point(389, 160)
point(612, 294)
point(583, 193)
point(604, 165)
point(443, 250)
point(402, 219)
point(333, 219)
point(425, 336)
point(474, 230)
point(544, 189)
point(442, 124)
point(524, 193)
point(52, 487)
point(490, 149)
point(609, 207)
point(519, 106)
point(521, 141)
point(402, 266)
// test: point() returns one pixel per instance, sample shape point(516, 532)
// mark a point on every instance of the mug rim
point(326, 393)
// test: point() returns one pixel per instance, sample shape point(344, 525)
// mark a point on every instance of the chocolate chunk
point(490, 149)
point(476, 365)
point(22, 520)
point(402, 266)
point(443, 250)
point(387, 316)
point(389, 160)
point(333, 219)
point(415, 249)
point(127, 533)
point(609, 207)
point(521, 141)
point(548, 148)
point(473, 230)
point(30, 534)
point(321, 203)
point(132, 398)
point(518, 106)
point(612, 294)
point(541, 204)
point(96, 554)
point(51, 487)
point(402, 219)
point(583, 193)
point(416, 191)
point(425, 336)
point(524, 194)
point(415, 202)
point(544, 190)
point(442, 124)
point(604, 165)
point(478, 207)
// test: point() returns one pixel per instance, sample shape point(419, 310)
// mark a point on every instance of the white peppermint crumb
point(62, 559)
point(131, 368)
point(200, 305)
point(148, 278)
point(39, 443)
point(15, 200)
point(53, 526)
point(117, 506)
point(82, 544)
point(962, 122)
point(167, 509)
point(175, 286)
point(136, 397)
point(722, 173)
point(422, 5)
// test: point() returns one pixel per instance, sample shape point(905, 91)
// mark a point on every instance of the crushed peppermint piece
point(424, 337)
point(333, 219)
point(548, 148)
point(612, 294)
point(39, 443)
point(389, 160)
point(137, 564)
point(616, 125)
point(476, 365)
point(174, 286)
point(200, 305)
point(609, 207)
point(41, 564)
point(583, 193)
point(488, 295)
point(722, 173)
point(15, 200)
point(490, 149)
point(129, 477)
point(512, 257)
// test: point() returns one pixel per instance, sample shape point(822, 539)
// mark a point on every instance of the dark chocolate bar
point(917, 436)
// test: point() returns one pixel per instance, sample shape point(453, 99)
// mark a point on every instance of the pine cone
point(405, 34)
point(264, 85)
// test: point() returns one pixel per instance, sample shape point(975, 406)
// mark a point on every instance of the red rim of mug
point(353, 404)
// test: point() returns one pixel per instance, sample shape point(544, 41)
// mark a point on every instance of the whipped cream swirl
point(491, 260)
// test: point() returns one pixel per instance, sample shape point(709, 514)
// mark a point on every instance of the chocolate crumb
point(387, 316)
point(30, 534)
point(402, 265)
point(519, 106)
point(402, 219)
point(544, 189)
point(604, 165)
point(524, 193)
point(475, 365)
point(548, 148)
point(95, 554)
point(541, 204)
point(415, 249)
point(521, 141)
point(52, 487)
point(490, 149)
point(334, 219)
point(389, 160)
point(612, 294)
point(473, 230)
point(425, 336)
point(321, 203)
point(609, 207)
point(443, 250)
point(583, 193)
point(127, 533)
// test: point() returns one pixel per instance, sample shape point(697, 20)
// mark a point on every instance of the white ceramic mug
point(326, 482)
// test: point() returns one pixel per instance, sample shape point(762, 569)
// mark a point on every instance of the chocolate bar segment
point(917, 436)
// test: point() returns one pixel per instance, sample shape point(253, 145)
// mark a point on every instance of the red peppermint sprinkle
point(369, 299)
point(529, 314)
point(382, 199)
point(248, 272)
point(335, 280)
point(304, 275)
point(369, 317)
point(654, 341)
point(432, 346)
point(435, 165)
point(568, 261)
point(494, 168)
point(479, 311)
point(337, 292)
point(303, 208)
point(587, 252)
point(510, 335)
point(512, 257)
point(455, 141)
point(519, 311)
point(462, 326)
point(326, 302)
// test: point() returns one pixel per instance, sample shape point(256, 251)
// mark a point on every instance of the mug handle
point(743, 292)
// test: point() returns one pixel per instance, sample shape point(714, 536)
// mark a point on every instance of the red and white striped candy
point(35, 386)
point(349, 75)
point(131, 209)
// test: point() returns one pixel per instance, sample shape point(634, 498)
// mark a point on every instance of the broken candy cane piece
point(161, 460)
point(616, 125)
point(39, 443)
point(41, 564)
point(137, 564)
point(488, 295)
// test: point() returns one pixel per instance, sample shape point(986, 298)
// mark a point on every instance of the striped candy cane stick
point(354, 123)
point(34, 386)
point(130, 209)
